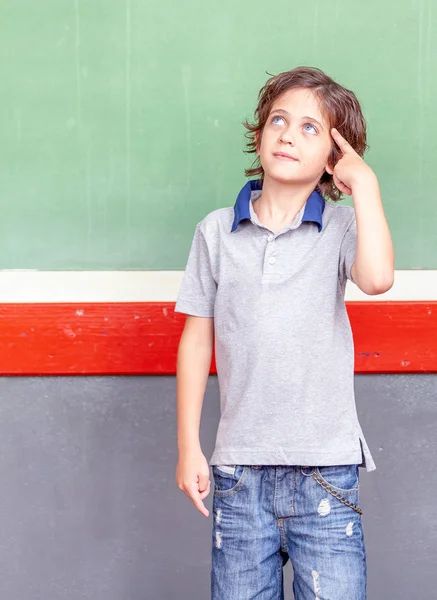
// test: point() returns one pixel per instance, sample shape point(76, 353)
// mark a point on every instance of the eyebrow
point(281, 110)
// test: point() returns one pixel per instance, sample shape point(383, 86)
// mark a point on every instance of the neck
point(282, 201)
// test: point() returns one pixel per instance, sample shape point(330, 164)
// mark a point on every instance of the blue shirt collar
point(313, 212)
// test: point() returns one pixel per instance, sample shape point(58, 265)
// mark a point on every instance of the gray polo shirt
point(283, 343)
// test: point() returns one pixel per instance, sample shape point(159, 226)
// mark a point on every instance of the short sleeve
point(198, 289)
point(348, 251)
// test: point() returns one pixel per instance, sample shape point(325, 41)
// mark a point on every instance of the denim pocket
point(228, 483)
point(342, 478)
point(230, 469)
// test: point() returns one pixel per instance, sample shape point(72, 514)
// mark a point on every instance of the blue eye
point(277, 117)
point(314, 130)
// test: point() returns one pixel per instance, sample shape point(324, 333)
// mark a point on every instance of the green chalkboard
point(121, 121)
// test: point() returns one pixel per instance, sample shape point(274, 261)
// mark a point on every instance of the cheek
point(266, 141)
point(317, 155)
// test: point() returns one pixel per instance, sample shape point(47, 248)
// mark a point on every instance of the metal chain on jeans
point(337, 495)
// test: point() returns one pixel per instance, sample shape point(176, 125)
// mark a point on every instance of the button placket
point(270, 257)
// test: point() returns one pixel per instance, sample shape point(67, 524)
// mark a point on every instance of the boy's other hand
point(192, 477)
point(350, 170)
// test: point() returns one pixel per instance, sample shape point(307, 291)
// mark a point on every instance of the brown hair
point(338, 104)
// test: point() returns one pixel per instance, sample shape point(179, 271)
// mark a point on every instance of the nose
point(287, 136)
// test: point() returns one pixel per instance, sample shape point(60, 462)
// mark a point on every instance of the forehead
point(300, 102)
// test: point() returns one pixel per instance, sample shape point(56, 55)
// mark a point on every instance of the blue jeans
point(265, 515)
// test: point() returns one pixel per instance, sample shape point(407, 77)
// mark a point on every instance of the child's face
point(295, 127)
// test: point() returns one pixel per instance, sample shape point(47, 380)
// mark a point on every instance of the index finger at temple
point(344, 145)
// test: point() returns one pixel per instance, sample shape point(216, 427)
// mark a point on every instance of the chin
point(284, 176)
point(281, 177)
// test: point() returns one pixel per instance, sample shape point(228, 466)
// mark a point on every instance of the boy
point(268, 277)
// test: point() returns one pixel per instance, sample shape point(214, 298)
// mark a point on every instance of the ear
point(331, 160)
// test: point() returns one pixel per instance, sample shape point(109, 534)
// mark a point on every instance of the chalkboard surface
point(121, 121)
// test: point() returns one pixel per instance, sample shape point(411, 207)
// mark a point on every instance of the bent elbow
point(380, 286)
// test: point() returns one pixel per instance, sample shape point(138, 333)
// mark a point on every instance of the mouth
point(285, 157)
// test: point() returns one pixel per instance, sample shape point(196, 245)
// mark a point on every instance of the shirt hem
point(182, 306)
point(264, 456)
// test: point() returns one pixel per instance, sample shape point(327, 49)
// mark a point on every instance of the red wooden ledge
point(142, 338)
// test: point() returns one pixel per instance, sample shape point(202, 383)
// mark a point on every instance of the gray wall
point(90, 509)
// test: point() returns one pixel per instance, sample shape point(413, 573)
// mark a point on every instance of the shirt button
point(272, 260)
